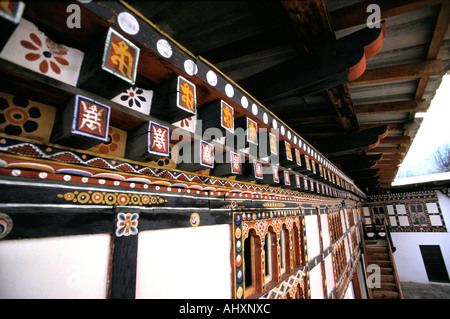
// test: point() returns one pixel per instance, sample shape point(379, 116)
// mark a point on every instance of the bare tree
point(441, 157)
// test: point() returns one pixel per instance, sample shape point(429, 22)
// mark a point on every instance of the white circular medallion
point(274, 124)
point(229, 90)
point(244, 102)
point(265, 118)
point(128, 23)
point(254, 109)
point(164, 48)
point(211, 77)
point(190, 67)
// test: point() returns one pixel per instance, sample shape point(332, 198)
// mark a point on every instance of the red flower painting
point(47, 54)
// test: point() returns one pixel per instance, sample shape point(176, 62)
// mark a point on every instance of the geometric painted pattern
point(72, 157)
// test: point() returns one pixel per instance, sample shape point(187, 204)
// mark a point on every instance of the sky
point(434, 132)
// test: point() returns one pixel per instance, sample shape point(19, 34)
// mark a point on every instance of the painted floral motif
point(134, 97)
point(165, 161)
point(127, 224)
point(47, 54)
point(261, 227)
point(185, 123)
point(18, 117)
point(111, 145)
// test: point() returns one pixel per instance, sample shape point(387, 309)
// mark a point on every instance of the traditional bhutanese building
point(225, 150)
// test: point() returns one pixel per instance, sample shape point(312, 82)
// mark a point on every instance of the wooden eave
point(255, 45)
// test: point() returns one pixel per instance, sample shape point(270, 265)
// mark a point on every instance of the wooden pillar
point(124, 258)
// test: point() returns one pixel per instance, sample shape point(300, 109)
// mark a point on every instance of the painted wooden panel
point(115, 145)
point(20, 116)
point(33, 50)
point(59, 267)
point(188, 263)
point(136, 98)
point(175, 100)
point(111, 59)
point(148, 142)
point(120, 56)
point(188, 124)
point(11, 10)
point(82, 123)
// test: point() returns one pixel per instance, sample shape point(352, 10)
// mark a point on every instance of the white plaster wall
point(343, 220)
point(350, 293)
point(329, 273)
point(408, 258)
point(188, 263)
point(325, 231)
point(58, 267)
point(312, 236)
point(347, 248)
point(316, 282)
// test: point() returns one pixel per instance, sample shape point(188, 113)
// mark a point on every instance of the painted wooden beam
point(304, 15)
point(400, 72)
point(356, 14)
point(342, 102)
point(328, 66)
point(419, 105)
point(352, 142)
point(360, 164)
point(364, 174)
point(435, 44)
point(397, 140)
point(310, 21)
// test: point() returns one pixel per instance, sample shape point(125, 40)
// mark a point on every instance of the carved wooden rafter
point(326, 67)
point(353, 142)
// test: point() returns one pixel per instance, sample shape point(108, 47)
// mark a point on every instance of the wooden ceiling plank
point(393, 127)
point(400, 72)
point(356, 14)
point(418, 105)
point(389, 150)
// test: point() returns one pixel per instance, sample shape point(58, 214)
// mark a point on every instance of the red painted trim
point(370, 50)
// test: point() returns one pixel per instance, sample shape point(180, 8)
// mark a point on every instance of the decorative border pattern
point(30, 150)
point(115, 199)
